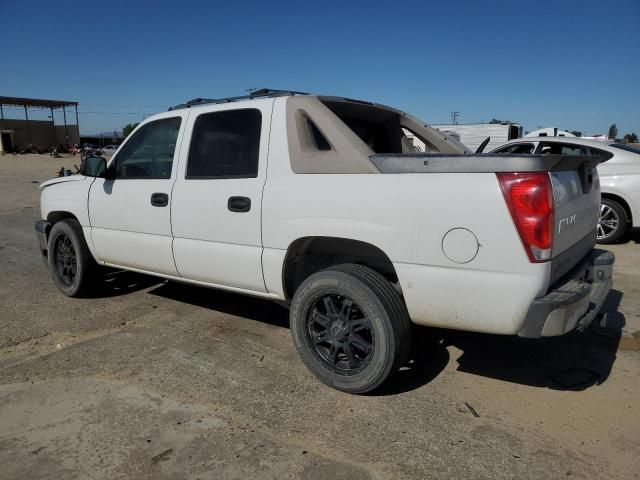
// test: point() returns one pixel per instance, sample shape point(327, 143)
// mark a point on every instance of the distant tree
point(613, 132)
point(631, 138)
point(128, 128)
point(576, 133)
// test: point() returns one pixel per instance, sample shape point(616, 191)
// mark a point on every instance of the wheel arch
point(623, 203)
point(307, 255)
point(58, 215)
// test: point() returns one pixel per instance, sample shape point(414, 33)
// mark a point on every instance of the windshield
point(628, 148)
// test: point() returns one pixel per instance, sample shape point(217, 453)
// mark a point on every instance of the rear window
point(379, 128)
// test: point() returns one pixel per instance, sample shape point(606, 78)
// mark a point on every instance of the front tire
point(70, 262)
point(350, 327)
point(612, 222)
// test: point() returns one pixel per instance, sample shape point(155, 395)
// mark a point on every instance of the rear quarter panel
point(407, 216)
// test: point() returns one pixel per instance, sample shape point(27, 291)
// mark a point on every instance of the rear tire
point(350, 327)
point(70, 262)
point(612, 222)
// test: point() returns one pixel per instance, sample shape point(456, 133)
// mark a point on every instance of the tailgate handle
point(586, 178)
point(239, 204)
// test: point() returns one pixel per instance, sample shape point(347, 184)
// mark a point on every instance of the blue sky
point(572, 64)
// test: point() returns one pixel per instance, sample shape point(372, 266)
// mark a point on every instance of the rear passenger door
point(216, 201)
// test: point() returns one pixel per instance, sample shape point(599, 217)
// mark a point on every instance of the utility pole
point(454, 117)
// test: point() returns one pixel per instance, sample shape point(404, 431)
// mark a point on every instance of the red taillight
point(530, 200)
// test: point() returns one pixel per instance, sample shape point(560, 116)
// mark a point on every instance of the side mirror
point(94, 167)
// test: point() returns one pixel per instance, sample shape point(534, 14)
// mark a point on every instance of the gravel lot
point(159, 380)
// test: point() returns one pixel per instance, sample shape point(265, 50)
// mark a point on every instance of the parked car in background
point(90, 149)
point(619, 177)
point(75, 149)
point(109, 150)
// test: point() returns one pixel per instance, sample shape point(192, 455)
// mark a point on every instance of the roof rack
point(261, 93)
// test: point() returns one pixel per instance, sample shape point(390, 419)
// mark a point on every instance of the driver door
point(130, 215)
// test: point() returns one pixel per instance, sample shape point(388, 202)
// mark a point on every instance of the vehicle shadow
point(113, 283)
point(632, 235)
point(265, 311)
point(575, 361)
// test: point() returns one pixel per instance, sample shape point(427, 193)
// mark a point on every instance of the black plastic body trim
point(42, 231)
point(42, 226)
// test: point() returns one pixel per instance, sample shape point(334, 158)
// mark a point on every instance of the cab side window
point(225, 145)
point(149, 152)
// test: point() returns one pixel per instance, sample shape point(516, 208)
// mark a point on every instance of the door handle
point(159, 199)
point(239, 204)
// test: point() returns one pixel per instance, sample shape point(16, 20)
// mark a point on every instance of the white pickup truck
point(321, 203)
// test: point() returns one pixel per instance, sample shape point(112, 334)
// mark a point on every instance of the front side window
point(225, 145)
point(149, 152)
point(525, 148)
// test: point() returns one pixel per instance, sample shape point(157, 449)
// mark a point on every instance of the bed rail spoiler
point(481, 163)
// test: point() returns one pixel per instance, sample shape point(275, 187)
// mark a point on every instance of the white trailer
point(473, 134)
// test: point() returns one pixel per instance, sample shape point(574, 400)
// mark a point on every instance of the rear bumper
point(574, 301)
point(42, 232)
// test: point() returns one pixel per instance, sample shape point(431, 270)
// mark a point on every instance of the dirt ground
point(159, 380)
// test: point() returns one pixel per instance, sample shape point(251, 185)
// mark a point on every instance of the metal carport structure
point(27, 103)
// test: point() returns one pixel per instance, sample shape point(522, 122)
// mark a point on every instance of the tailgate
point(576, 196)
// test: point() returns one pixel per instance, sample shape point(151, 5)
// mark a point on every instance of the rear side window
point(517, 148)
point(225, 145)
point(319, 140)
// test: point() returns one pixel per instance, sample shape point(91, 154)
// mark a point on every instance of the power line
point(124, 106)
point(87, 112)
point(116, 113)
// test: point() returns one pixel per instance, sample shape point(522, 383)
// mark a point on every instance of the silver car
point(109, 150)
point(619, 177)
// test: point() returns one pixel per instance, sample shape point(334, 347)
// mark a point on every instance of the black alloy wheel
point(66, 261)
point(339, 334)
